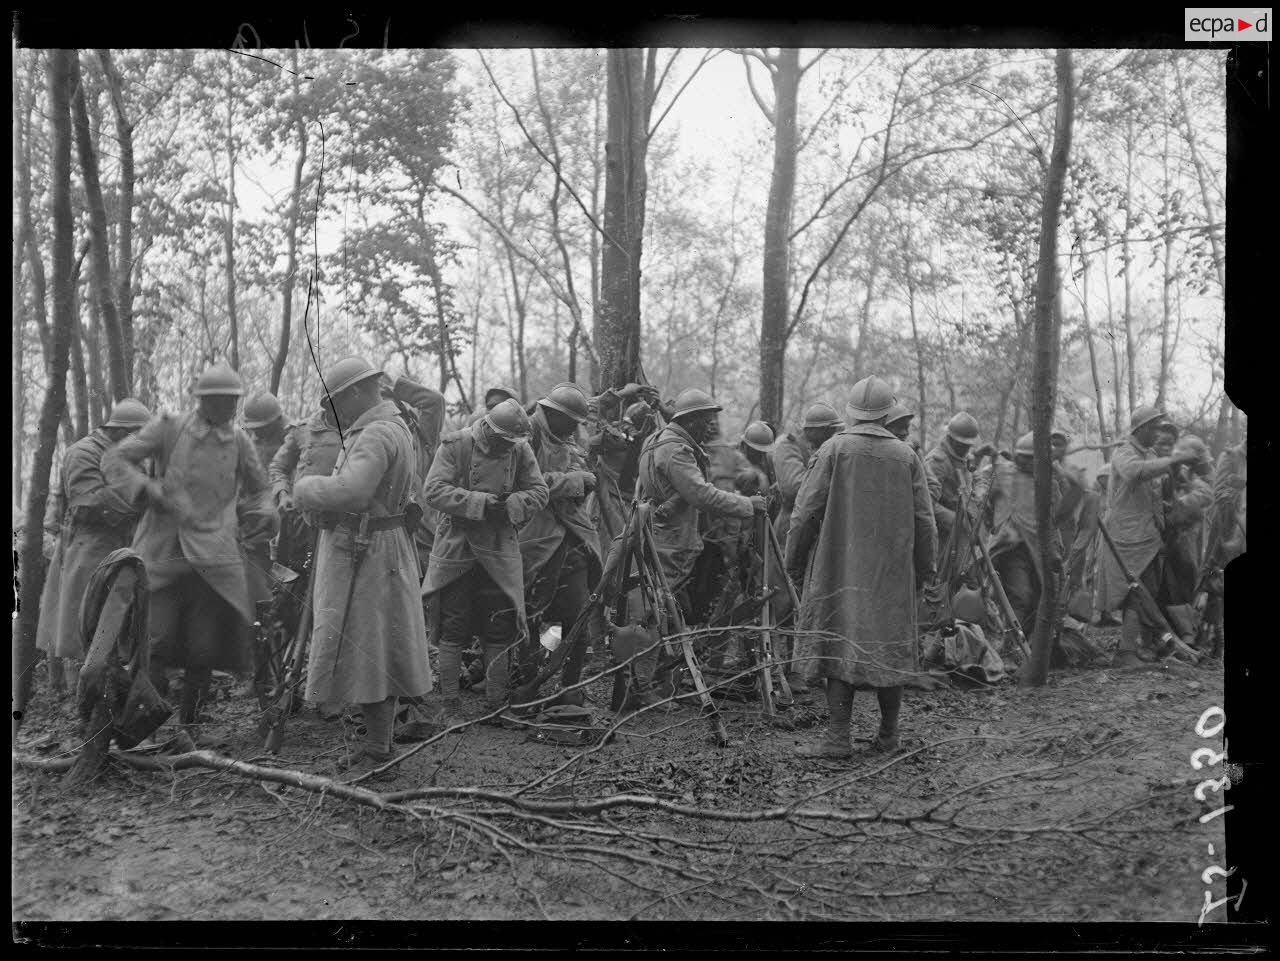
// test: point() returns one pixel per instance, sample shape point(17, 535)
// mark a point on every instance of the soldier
point(485, 482)
point(757, 447)
point(898, 423)
point(559, 546)
point(863, 512)
point(310, 448)
point(263, 418)
point(1226, 540)
point(492, 398)
point(724, 536)
point(947, 465)
point(1189, 498)
point(1014, 541)
point(96, 520)
point(205, 484)
point(675, 474)
point(368, 642)
point(1134, 519)
point(422, 408)
point(791, 458)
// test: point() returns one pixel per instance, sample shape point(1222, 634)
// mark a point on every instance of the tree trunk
point(79, 382)
point(61, 72)
point(1220, 439)
point(1130, 344)
point(1036, 671)
point(1202, 177)
point(1103, 433)
point(102, 276)
point(616, 325)
point(124, 248)
point(1166, 317)
point(99, 396)
point(291, 242)
point(20, 228)
point(915, 340)
point(1117, 412)
point(777, 226)
point(229, 228)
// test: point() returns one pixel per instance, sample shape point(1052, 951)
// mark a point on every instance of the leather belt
point(329, 520)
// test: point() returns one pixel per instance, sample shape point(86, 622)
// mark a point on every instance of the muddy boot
point(1127, 655)
point(450, 663)
point(836, 743)
point(496, 682)
point(886, 738)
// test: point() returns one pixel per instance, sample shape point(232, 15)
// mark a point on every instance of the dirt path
point(1073, 802)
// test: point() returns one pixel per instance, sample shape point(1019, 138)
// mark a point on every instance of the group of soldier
point(416, 538)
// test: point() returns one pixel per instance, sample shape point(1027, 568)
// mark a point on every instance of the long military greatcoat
point(465, 470)
point(565, 512)
point(213, 474)
point(952, 484)
point(791, 456)
point(1135, 519)
point(98, 521)
point(672, 463)
point(867, 490)
point(1013, 514)
point(378, 648)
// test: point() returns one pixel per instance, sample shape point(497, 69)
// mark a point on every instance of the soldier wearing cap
point(862, 539)
point(368, 642)
point(1135, 519)
point(492, 398)
point(559, 546)
point(206, 489)
point(96, 519)
point(485, 482)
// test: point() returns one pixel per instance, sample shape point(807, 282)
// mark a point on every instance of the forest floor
point(1069, 802)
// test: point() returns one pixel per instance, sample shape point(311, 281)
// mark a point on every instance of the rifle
point(1002, 599)
point(1149, 602)
point(271, 726)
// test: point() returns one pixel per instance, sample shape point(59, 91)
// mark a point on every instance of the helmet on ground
point(569, 399)
point(261, 409)
point(896, 413)
point(499, 389)
point(871, 399)
point(219, 379)
point(508, 420)
point(963, 428)
point(347, 373)
point(1144, 415)
point(821, 415)
point(691, 400)
point(967, 605)
point(1193, 444)
point(129, 412)
point(1025, 444)
point(758, 436)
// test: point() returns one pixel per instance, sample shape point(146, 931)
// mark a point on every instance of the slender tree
point(1048, 335)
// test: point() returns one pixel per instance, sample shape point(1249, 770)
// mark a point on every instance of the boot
point(450, 663)
point(836, 744)
point(1127, 656)
point(497, 681)
point(886, 738)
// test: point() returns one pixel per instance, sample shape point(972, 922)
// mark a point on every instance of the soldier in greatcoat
point(863, 512)
point(264, 419)
point(559, 545)
point(96, 520)
point(205, 486)
point(485, 482)
point(369, 642)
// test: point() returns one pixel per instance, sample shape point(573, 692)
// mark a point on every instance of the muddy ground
point(1071, 802)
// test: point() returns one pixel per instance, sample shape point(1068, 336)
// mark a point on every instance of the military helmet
point(1060, 432)
point(129, 412)
point(219, 379)
point(758, 436)
point(821, 415)
point(347, 373)
point(1025, 444)
point(967, 605)
point(569, 399)
point(509, 420)
point(963, 428)
point(871, 399)
point(499, 389)
point(691, 400)
point(1144, 415)
point(261, 409)
point(896, 413)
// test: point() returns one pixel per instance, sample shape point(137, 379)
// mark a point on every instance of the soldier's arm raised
point(440, 490)
point(1130, 467)
point(427, 403)
point(689, 483)
point(530, 494)
point(351, 489)
point(122, 464)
